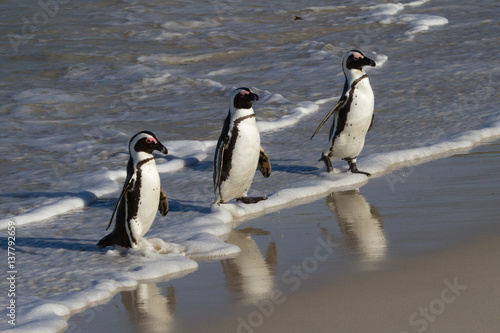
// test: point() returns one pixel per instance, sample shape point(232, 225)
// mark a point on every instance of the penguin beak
point(254, 97)
point(161, 148)
point(368, 62)
point(251, 97)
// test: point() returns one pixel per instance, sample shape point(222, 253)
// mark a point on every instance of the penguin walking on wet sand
point(141, 195)
point(353, 113)
point(238, 151)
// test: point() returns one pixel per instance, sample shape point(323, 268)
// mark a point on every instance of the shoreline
point(391, 232)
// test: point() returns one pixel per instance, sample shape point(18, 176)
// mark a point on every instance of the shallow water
point(78, 80)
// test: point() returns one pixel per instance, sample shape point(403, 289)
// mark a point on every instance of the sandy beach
point(415, 250)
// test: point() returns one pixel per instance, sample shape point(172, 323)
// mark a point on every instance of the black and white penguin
point(353, 113)
point(141, 195)
point(238, 151)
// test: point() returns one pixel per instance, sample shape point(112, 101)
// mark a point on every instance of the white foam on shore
point(419, 23)
point(50, 315)
point(390, 13)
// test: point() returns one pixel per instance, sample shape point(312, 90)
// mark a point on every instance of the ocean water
point(79, 79)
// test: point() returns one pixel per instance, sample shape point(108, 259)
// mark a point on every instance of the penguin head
point(145, 142)
point(243, 98)
point(355, 60)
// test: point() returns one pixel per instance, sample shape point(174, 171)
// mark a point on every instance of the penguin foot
point(328, 163)
point(354, 168)
point(251, 200)
point(362, 172)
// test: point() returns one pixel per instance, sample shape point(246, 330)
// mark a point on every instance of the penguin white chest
point(245, 156)
point(148, 183)
point(361, 108)
point(353, 126)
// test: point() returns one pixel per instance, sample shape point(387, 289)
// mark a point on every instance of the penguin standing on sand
point(238, 151)
point(353, 113)
point(141, 195)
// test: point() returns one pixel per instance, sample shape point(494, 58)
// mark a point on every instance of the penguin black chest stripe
point(134, 195)
point(342, 116)
point(239, 120)
point(228, 152)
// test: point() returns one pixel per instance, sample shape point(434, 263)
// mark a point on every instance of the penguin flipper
point(219, 171)
point(125, 190)
point(163, 205)
point(337, 106)
point(371, 124)
point(264, 163)
point(220, 149)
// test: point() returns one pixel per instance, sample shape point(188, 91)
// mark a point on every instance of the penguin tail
point(105, 241)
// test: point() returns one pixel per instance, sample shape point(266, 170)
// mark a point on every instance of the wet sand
point(416, 250)
point(455, 290)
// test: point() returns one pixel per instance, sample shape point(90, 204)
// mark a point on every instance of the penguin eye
point(150, 140)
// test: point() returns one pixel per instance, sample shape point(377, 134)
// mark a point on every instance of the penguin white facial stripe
point(141, 135)
point(245, 90)
point(358, 56)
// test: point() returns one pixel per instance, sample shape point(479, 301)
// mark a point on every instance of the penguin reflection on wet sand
point(151, 309)
point(361, 224)
point(353, 114)
point(238, 151)
point(250, 275)
point(141, 195)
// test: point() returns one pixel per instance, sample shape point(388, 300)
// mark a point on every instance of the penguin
point(141, 196)
point(353, 113)
point(238, 151)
